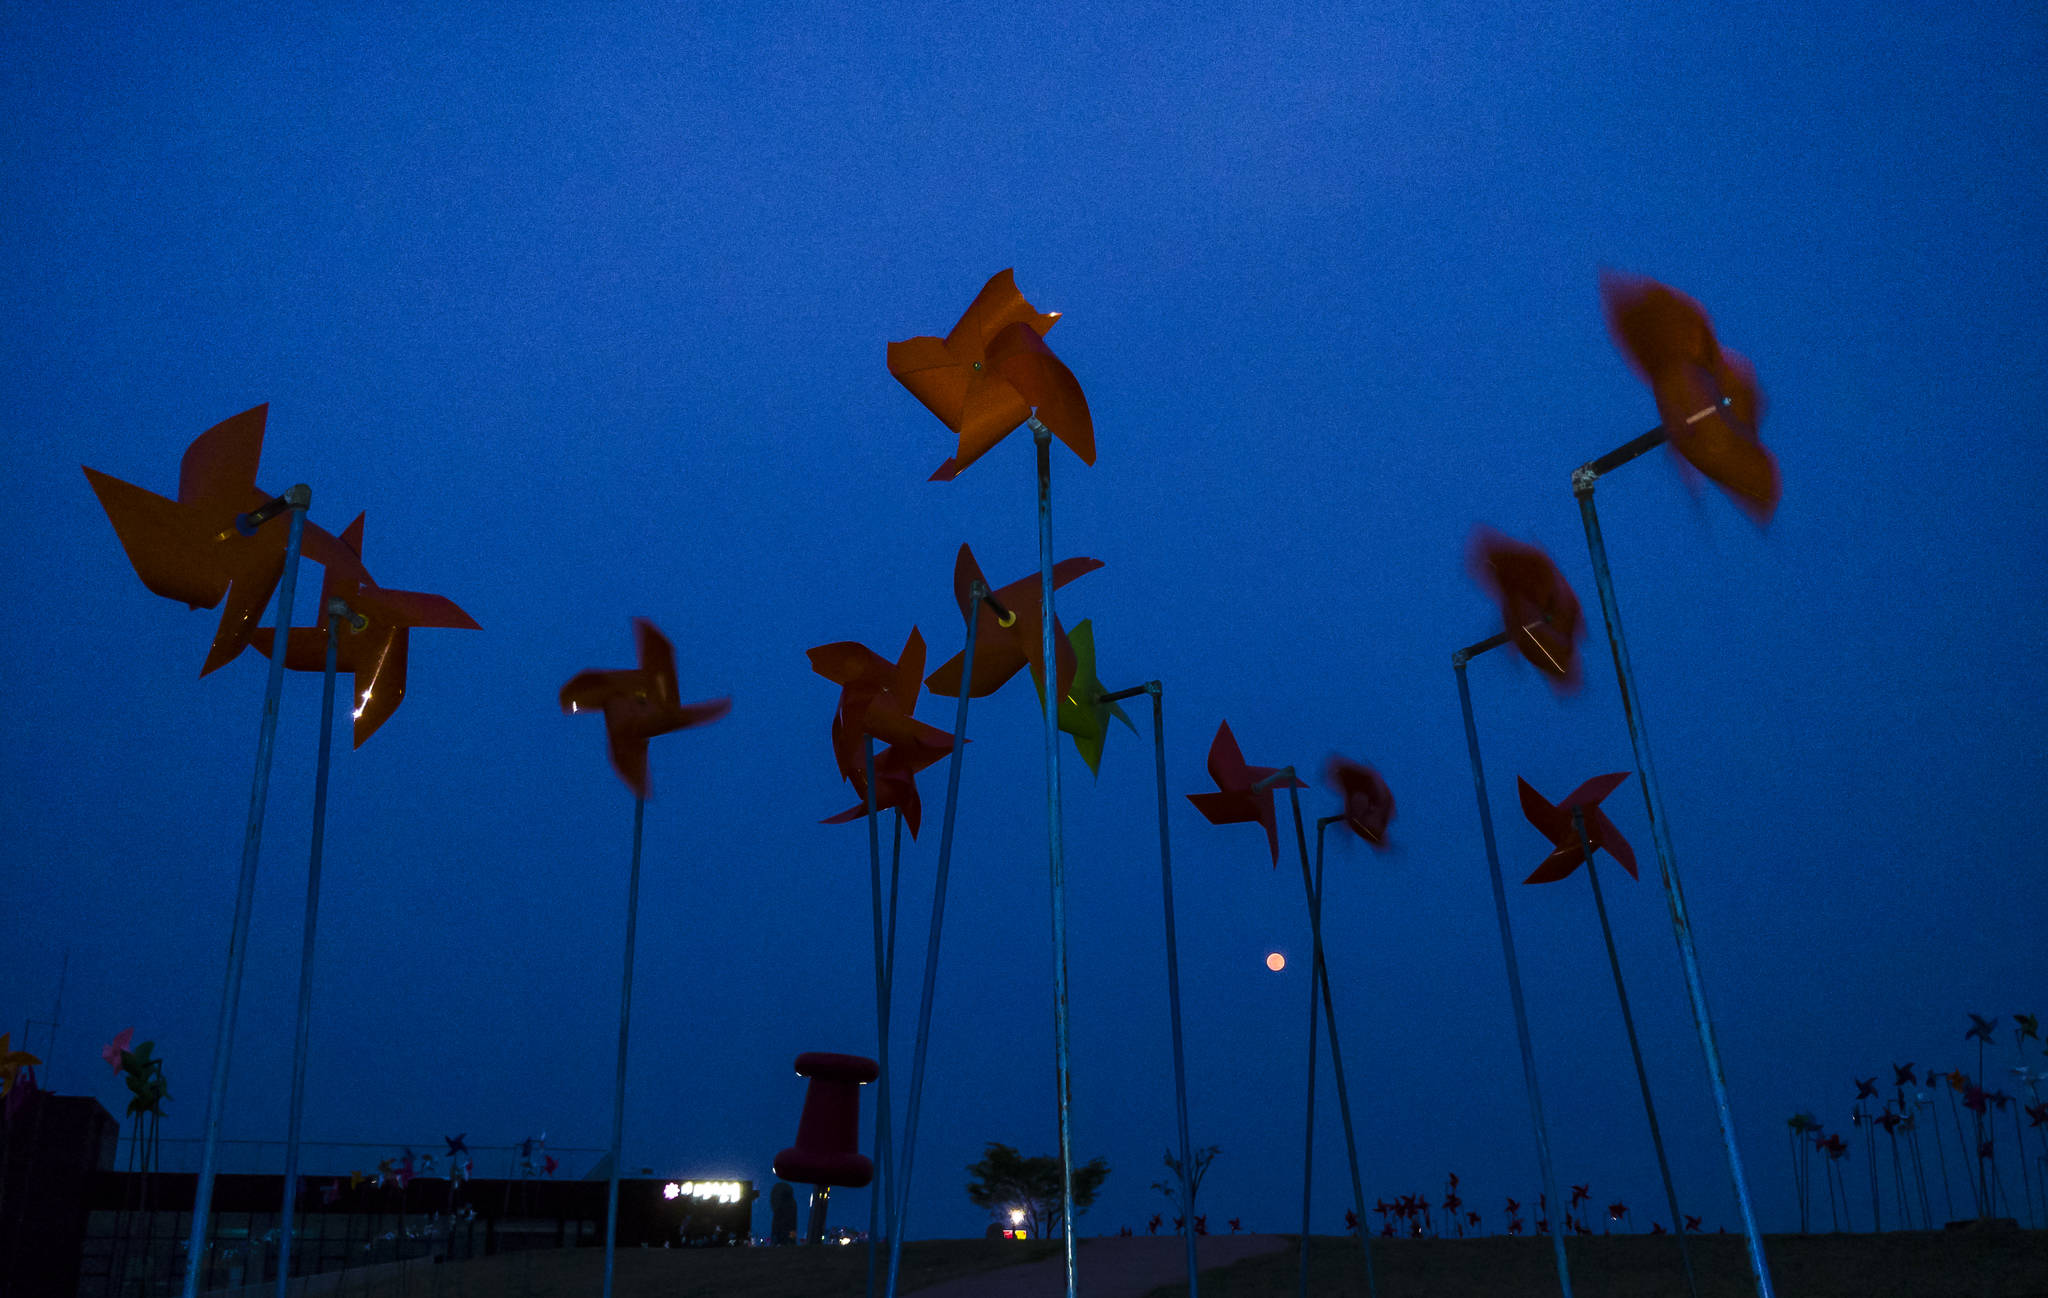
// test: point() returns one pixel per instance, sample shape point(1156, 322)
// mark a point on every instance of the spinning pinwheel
point(1577, 828)
point(1244, 795)
point(209, 546)
point(373, 651)
point(1709, 405)
point(990, 374)
point(638, 704)
point(877, 698)
point(1540, 615)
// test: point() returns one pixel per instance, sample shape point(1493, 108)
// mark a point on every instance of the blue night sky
point(588, 314)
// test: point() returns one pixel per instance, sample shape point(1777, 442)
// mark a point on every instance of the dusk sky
point(588, 312)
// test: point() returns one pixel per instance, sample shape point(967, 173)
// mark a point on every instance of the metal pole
point(611, 1191)
point(1507, 946)
point(1308, 1108)
point(879, 1194)
point(1050, 705)
point(977, 596)
point(1635, 1049)
point(1321, 970)
point(297, 501)
point(1180, 1072)
point(1696, 992)
point(304, 1027)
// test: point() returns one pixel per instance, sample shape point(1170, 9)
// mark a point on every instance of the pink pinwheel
point(1538, 609)
point(113, 1050)
point(639, 704)
point(877, 698)
point(1555, 823)
point(1706, 396)
point(1368, 803)
point(1236, 800)
point(991, 373)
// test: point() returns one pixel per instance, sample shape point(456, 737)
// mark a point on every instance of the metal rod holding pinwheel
point(1541, 619)
point(1611, 840)
point(1308, 1103)
point(992, 373)
point(296, 501)
point(977, 596)
point(1096, 725)
point(1710, 406)
point(638, 703)
point(371, 642)
point(336, 610)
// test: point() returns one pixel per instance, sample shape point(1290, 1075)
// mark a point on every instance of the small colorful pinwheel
point(991, 373)
point(1083, 713)
point(876, 698)
point(1706, 395)
point(896, 769)
point(1539, 612)
point(1236, 800)
point(112, 1051)
point(639, 703)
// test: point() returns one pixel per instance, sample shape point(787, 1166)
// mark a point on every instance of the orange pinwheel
point(991, 373)
point(193, 549)
point(1000, 651)
point(1368, 803)
point(1538, 609)
point(1555, 823)
point(1707, 396)
point(639, 703)
point(373, 645)
point(1236, 801)
point(12, 1062)
point(896, 769)
point(876, 697)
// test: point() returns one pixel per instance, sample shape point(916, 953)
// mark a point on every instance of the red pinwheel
point(1236, 801)
point(1889, 1121)
point(1706, 396)
point(1538, 610)
point(192, 549)
point(876, 697)
point(1581, 1193)
point(639, 703)
point(1002, 650)
point(1833, 1145)
point(373, 648)
point(1865, 1090)
point(1616, 1211)
point(1975, 1098)
point(548, 1167)
point(1555, 823)
point(1368, 803)
point(1981, 1028)
point(1152, 1226)
point(1692, 1223)
point(1236, 1225)
point(991, 373)
point(896, 769)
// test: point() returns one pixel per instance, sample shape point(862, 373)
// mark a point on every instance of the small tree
point(1006, 1181)
point(1171, 1187)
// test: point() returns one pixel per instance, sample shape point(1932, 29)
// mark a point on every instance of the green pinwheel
point(1084, 713)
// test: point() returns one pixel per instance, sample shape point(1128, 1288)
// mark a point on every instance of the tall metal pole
point(1507, 946)
point(1583, 481)
point(296, 501)
point(1180, 1076)
point(335, 611)
point(1321, 970)
point(976, 598)
point(1050, 702)
point(611, 1190)
point(879, 1195)
point(1635, 1050)
point(1308, 1107)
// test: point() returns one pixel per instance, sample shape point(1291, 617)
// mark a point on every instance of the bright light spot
point(671, 1191)
point(363, 704)
point(723, 1191)
point(845, 1239)
point(1016, 1216)
point(1276, 962)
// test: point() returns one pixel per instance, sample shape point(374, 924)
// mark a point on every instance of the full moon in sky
point(1276, 962)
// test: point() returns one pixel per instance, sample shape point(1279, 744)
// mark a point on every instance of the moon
point(1276, 962)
